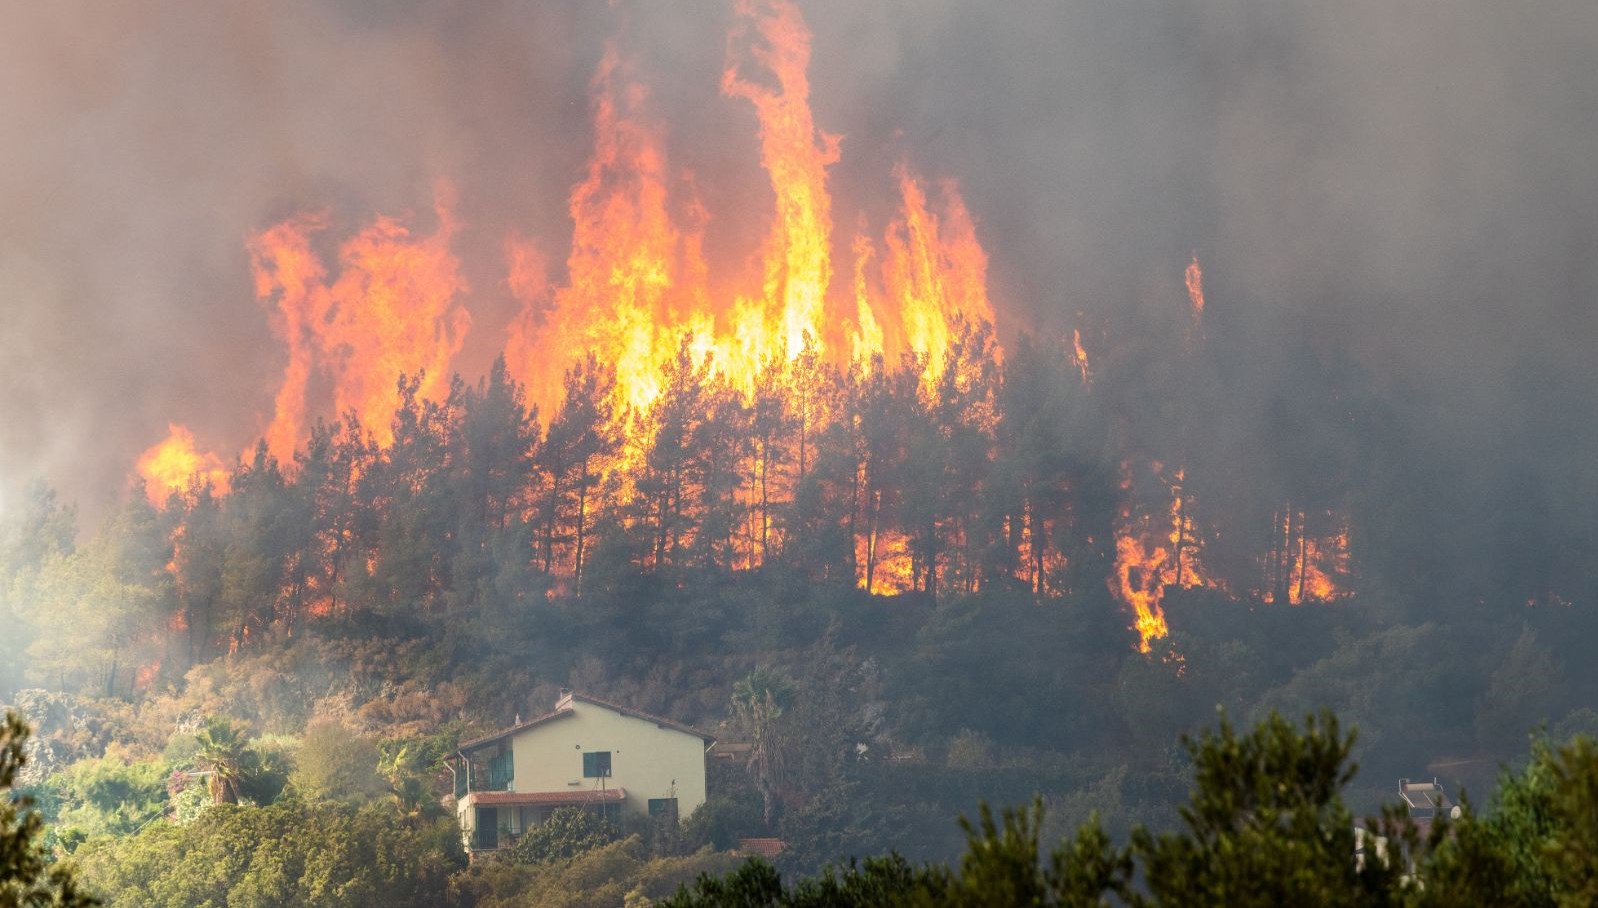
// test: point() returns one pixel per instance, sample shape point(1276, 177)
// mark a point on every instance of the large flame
point(395, 308)
point(935, 271)
point(289, 276)
point(640, 297)
point(796, 155)
point(172, 463)
point(634, 277)
point(638, 284)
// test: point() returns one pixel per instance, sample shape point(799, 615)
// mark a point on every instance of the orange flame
point(886, 555)
point(798, 265)
point(286, 269)
point(1308, 567)
point(935, 271)
point(395, 308)
point(1148, 562)
point(638, 284)
point(630, 294)
point(1079, 356)
point(169, 465)
point(1194, 278)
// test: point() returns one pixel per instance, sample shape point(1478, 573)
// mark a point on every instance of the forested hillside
point(909, 591)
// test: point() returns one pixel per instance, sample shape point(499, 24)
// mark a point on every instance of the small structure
point(588, 753)
point(1425, 800)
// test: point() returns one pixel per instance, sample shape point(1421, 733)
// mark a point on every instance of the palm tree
point(407, 783)
point(758, 701)
point(221, 756)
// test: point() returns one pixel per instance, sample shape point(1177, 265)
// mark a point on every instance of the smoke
point(1403, 184)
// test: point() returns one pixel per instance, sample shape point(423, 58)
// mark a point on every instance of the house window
point(663, 809)
point(596, 764)
point(487, 828)
point(501, 770)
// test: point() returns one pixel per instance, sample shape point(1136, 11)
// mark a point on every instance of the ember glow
point(1079, 356)
point(1194, 279)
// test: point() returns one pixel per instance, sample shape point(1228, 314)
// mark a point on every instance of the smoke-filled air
point(901, 409)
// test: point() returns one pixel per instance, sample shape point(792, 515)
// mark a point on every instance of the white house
point(588, 753)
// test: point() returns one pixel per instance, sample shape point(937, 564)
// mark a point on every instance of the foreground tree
point(26, 875)
point(1266, 826)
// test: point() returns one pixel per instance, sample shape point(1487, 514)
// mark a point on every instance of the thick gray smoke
point(1409, 181)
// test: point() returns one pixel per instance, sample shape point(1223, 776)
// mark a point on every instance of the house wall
point(645, 759)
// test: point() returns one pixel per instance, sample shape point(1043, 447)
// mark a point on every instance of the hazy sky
point(1409, 181)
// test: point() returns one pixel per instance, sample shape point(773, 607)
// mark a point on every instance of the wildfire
point(635, 280)
point(638, 283)
point(1303, 565)
point(395, 308)
point(639, 291)
point(170, 464)
point(796, 155)
point(883, 563)
point(935, 271)
point(1149, 560)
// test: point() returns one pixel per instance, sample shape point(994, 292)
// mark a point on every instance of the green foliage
point(269, 761)
point(1520, 692)
point(1266, 824)
point(222, 758)
point(336, 763)
point(758, 703)
point(27, 877)
point(569, 831)
point(721, 820)
point(1537, 846)
point(291, 853)
point(111, 796)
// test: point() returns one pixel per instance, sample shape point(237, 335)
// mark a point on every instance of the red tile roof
point(766, 848)
point(545, 798)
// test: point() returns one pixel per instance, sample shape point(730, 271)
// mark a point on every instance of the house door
point(488, 827)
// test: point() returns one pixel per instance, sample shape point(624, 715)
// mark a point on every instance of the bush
point(335, 763)
point(569, 831)
point(291, 853)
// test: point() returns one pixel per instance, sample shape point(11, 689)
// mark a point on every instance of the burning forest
point(894, 407)
point(852, 418)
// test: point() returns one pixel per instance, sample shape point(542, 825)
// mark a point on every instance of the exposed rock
point(65, 729)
